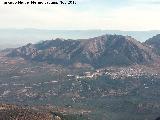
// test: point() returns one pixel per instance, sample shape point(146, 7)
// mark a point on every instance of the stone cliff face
point(106, 50)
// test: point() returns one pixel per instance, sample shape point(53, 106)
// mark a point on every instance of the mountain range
point(97, 52)
point(123, 86)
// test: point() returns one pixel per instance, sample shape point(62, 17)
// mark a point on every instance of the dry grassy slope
point(11, 112)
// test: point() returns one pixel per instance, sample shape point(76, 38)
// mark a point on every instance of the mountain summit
point(106, 50)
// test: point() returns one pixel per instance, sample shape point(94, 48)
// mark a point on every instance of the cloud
point(103, 15)
point(137, 18)
point(155, 2)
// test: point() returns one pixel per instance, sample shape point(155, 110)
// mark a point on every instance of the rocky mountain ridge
point(102, 51)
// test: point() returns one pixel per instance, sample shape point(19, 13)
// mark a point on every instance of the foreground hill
point(106, 50)
point(14, 112)
point(11, 112)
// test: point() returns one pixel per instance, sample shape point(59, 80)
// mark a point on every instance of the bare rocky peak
point(101, 51)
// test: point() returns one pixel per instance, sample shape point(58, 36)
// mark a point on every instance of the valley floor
point(112, 93)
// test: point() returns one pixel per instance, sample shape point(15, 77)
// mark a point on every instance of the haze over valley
point(13, 38)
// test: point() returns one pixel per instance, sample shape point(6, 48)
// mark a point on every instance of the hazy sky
point(86, 14)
